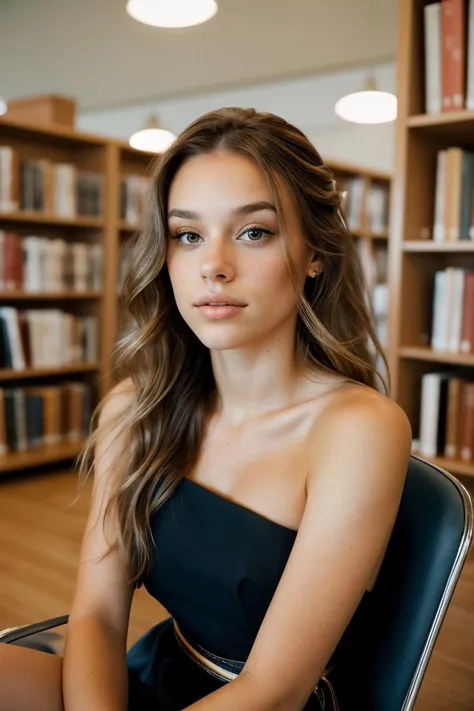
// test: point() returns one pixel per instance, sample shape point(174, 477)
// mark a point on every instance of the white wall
point(307, 102)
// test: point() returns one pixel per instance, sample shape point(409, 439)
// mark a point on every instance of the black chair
point(404, 612)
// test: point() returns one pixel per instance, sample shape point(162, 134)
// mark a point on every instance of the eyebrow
point(248, 209)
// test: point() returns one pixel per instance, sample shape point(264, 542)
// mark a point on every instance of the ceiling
point(92, 50)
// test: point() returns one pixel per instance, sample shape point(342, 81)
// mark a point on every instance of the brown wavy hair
point(174, 391)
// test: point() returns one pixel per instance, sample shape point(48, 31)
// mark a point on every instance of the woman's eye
point(191, 237)
point(257, 234)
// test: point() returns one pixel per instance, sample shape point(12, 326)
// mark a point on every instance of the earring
point(314, 274)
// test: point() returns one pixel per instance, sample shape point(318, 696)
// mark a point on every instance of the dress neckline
point(205, 489)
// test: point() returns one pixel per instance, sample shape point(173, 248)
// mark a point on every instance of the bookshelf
point(56, 383)
point(416, 255)
point(366, 206)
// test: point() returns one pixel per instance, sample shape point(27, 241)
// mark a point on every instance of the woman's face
point(225, 248)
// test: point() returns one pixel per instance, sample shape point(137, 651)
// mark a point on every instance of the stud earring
point(314, 274)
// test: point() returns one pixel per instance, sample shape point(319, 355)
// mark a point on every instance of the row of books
point(43, 185)
point(365, 207)
point(35, 416)
point(446, 416)
point(453, 311)
point(46, 338)
point(449, 55)
point(134, 190)
point(42, 264)
point(454, 196)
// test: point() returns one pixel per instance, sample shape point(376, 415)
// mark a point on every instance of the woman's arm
point(94, 668)
point(361, 451)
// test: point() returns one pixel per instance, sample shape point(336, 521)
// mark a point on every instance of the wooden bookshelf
point(39, 456)
point(413, 255)
point(87, 153)
point(430, 246)
point(40, 218)
point(372, 245)
point(31, 373)
point(49, 296)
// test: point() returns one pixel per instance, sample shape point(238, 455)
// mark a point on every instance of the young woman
point(248, 471)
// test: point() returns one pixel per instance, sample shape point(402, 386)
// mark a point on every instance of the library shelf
point(39, 456)
point(27, 373)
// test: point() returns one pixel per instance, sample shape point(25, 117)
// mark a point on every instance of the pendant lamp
point(172, 13)
point(368, 106)
point(152, 137)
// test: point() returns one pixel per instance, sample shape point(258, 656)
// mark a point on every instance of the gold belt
point(203, 661)
point(226, 675)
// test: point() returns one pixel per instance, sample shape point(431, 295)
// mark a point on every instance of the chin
point(222, 339)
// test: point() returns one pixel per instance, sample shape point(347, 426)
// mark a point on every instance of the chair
point(424, 559)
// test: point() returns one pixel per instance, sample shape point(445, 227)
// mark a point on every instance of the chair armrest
point(13, 634)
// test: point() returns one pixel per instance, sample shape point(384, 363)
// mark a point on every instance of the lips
point(214, 300)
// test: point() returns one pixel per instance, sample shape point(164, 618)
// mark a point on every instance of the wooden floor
point(40, 530)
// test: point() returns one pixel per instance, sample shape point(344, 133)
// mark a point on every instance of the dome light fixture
point(3, 107)
point(152, 138)
point(368, 105)
point(172, 13)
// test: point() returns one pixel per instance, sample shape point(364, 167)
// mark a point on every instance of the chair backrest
point(403, 613)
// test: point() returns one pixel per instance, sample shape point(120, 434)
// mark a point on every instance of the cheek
point(275, 280)
point(180, 282)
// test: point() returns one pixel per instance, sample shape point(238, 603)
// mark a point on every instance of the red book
point(453, 54)
point(18, 268)
point(467, 329)
point(466, 439)
point(10, 247)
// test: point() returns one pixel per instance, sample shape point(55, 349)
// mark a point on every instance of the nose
point(217, 263)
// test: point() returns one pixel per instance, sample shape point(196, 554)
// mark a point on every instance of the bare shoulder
point(361, 424)
point(362, 401)
point(119, 397)
point(113, 430)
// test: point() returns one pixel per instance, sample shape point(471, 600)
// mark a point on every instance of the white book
point(380, 300)
point(64, 190)
point(439, 331)
point(6, 180)
point(429, 413)
point(456, 311)
point(13, 331)
point(81, 265)
point(439, 232)
point(32, 282)
point(432, 31)
point(57, 251)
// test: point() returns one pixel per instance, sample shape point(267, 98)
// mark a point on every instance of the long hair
point(170, 369)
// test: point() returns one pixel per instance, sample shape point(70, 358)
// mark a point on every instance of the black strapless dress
point(216, 566)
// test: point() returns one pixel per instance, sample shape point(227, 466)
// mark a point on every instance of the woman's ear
point(315, 268)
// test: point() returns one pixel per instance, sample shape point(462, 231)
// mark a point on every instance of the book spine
point(429, 413)
point(439, 233)
point(467, 329)
point(453, 54)
point(452, 417)
point(432, 30)
point(440, 299)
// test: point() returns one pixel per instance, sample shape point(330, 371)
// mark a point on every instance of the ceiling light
point(172, 13)
point(152, 137)
point(3, 107)
point(368, 105)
